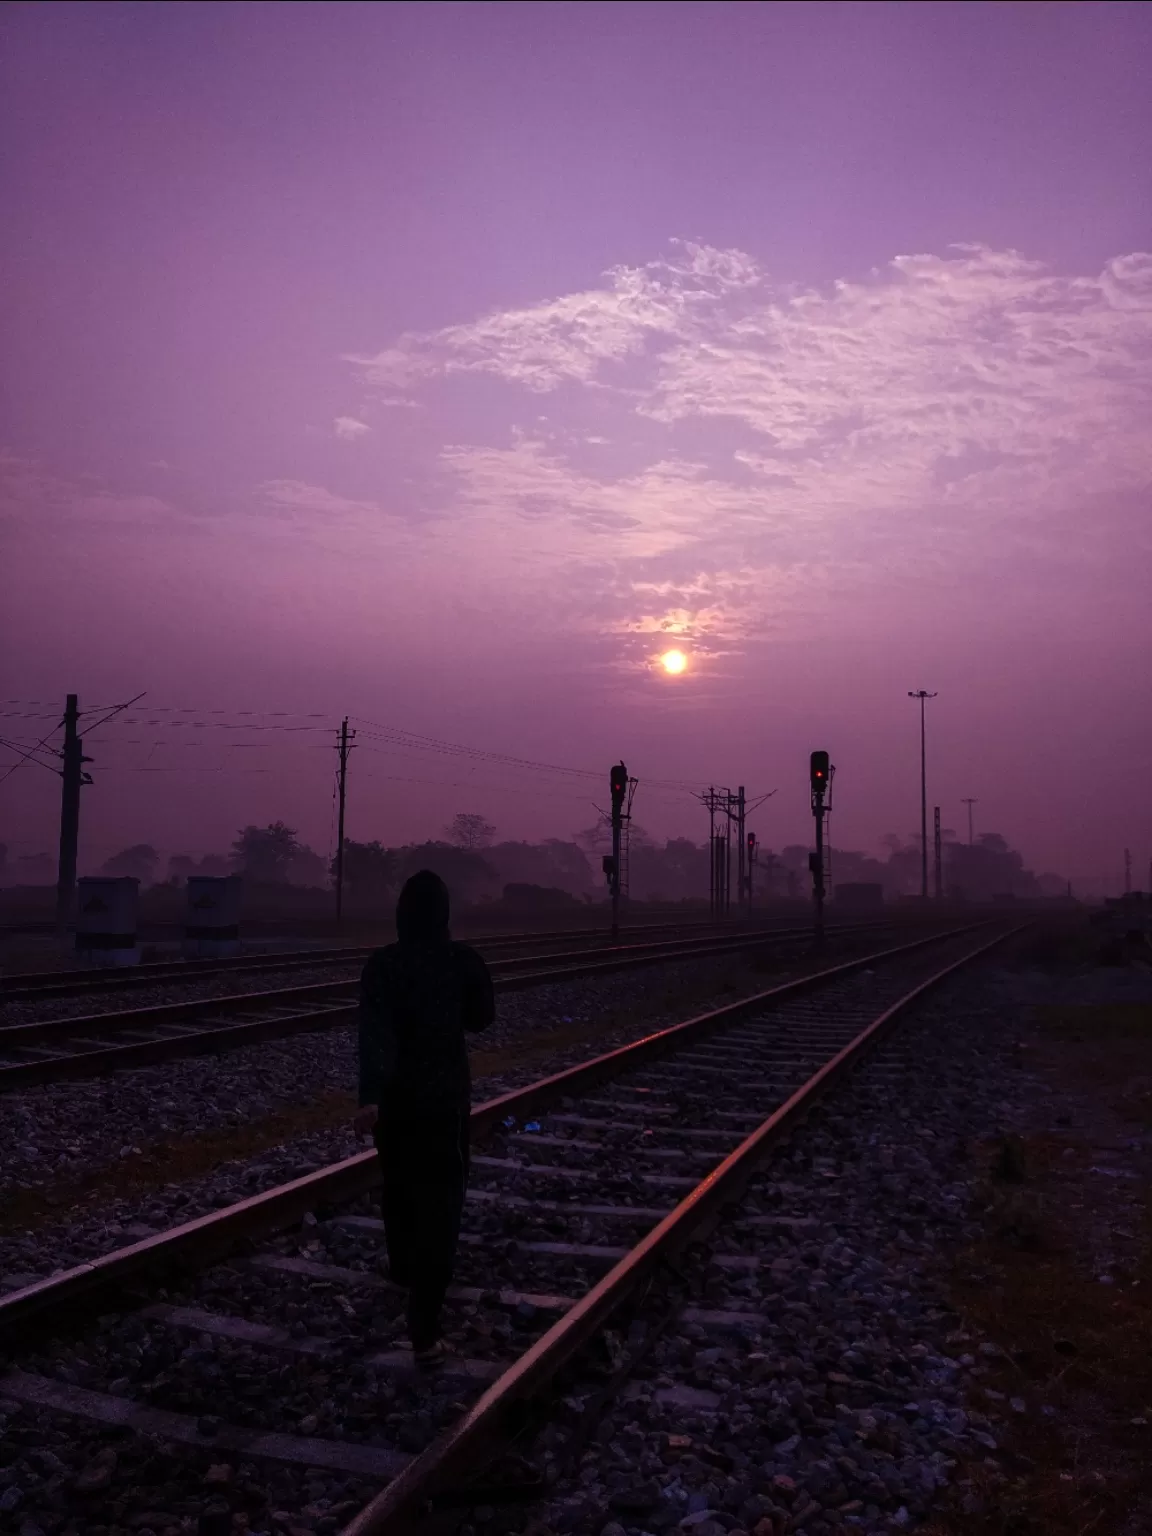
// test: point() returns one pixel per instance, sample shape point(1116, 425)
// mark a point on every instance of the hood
point(422, 910)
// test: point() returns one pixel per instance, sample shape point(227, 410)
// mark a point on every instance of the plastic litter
point(531, 1125)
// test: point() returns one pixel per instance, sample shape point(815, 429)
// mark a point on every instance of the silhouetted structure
point(922, 694)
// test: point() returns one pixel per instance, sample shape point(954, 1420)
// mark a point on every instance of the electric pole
point(970, 802)
point(741, 851)
point(828, 826)
point(1127, 871)
point(618, 787)
point(74, 778)
point(713, 886)
point(818, 776)
point(922, 694)
point(939, 860)
point(343, 747)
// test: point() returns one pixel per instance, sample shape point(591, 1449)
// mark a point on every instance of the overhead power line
point(28, 754)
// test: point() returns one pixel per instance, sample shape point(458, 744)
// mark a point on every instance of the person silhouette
point(419, 998)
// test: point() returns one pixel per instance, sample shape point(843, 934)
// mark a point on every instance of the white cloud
point(314, 498)
point(572, 337)
point(349, 428)
point(933, 415)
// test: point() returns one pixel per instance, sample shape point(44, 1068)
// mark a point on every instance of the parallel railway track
point(50, 1050)
point(654, 1142)
point(34, 986)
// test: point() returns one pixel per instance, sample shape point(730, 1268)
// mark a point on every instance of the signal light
point(608, 865)
point(818, 771)
point(751, 841)
point(618, 781)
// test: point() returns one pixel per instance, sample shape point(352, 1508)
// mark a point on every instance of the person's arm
point(479, 997)
point(370, 1053)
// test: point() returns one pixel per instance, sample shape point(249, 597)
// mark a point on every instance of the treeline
point(478, 868)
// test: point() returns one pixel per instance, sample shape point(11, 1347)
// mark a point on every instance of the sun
point(674, 661)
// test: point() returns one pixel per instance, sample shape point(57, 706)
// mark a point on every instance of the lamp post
point(922, 694)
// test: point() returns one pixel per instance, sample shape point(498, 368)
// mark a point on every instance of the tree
point(597, 838)
point(369, 869)
point(465, 872)
point(265, 854)
point(676, 872)
point(989, 868)
point(552, 863)
point(181, 865)
point(139, 861)
point(470, 831)
point(307, 868)
point(34, 869)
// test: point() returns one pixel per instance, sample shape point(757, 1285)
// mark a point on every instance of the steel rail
point(332, 1009)
point(65, 1298)
point(402, 1507)
point(30, 986)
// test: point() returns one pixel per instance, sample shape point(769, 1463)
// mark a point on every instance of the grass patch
point(1077, 1353)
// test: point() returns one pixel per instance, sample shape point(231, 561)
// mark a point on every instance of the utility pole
point(751, 872)
point(922, 694)
point(970, 801)
point(618, 786)
point(715, 800)
point(343, 747)
point(734, 808)
point(818, 767)
point(939, 860)
point(712, 882)
point(74, 778)
point(828, 826)
point(1127, 871)
point(740, 848)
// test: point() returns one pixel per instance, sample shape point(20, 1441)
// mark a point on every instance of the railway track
point(585, 1185)
point(50, 1050)
point(34, 986)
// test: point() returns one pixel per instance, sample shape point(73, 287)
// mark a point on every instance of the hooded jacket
point(419, 998)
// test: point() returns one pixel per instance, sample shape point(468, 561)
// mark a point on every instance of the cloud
point(854, 430)
point(314, 498)
point(930, 356)
point(574, 336)
point(723, 452)
point(349, 428)
point(37, 500)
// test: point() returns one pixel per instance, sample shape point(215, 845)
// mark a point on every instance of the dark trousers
point(424, 1162)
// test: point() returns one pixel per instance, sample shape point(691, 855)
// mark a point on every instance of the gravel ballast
point(848, 1402)
point(855, 1395)
point(56, 1131)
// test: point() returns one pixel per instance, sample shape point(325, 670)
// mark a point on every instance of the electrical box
point(106, 919)
point(212, 926)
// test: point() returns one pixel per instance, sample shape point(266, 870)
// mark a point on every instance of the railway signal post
point(818, 773)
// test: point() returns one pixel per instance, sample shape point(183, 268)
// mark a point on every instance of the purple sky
point(434, 363)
